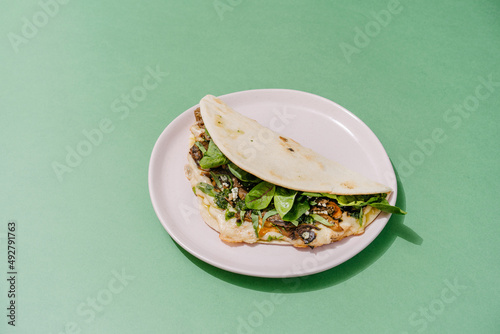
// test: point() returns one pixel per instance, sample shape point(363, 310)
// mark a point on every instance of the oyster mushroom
point(333, 210)
point(327, 207)
point(335, 223)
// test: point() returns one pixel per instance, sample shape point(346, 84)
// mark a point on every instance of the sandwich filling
point(244, 208)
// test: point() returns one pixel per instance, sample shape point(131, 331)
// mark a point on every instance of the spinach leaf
point(377, 201)
point(201, 147)
point(386, 207)
point(222, 180)
point(260, 196)
point(356, 213)
point(255, 222)
point(241, 174)
point(357, 200)
point(320, 219)
point(242, 218)
point(283, 200)
point(347, 200)
point(206, 188)
point(300, 207)
point(305, 193)
point(215, 177)
point(213, 157)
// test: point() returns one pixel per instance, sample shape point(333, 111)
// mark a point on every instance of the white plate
point(313, 121)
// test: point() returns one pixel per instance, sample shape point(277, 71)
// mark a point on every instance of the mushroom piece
point(336, 227)
point(196, 154)
point(276, 220)
point(285, 228)
point(197, 116)
point(333, 210)
point(242, 193)
point(201, 124)
point(308, 236)
point(327, 209)
point(306, 232)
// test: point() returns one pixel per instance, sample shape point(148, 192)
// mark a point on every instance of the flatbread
point(250, 145)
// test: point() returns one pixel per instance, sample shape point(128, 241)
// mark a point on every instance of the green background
point(435, 270)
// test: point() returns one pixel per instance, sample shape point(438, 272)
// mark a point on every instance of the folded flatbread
point(255, 185)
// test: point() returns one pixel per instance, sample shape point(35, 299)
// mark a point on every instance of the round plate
point(311, 120)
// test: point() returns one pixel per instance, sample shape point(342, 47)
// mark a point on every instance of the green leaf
point(348, 200)
point(377, 201)
point(260, 196)
point(240, 205)
point(220, 179)
point(215, 177)
point(321, 220)
point(229, 214)
point(206, 188)
point(273, 237)
point(300, 206)
point(255, 222)
point(241, 174)
point(242, 218)
point(269, 214)
point(283, 200)
point(201, 147)
point(357, 214)
point(213, 157)
point(220, 199)
point(356, 200)
point(312, 194)
point(386, 207)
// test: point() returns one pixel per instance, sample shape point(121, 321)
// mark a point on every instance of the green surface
point(92, 257)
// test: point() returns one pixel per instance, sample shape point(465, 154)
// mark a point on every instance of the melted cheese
point(215, 217)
